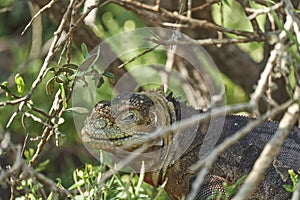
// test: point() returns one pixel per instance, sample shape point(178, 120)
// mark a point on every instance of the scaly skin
point(126, 122)
point(121, 126)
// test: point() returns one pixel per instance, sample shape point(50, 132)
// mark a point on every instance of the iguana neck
point(177, 110)
point(168, 112)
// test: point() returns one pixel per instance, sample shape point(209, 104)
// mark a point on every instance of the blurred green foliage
point(231, 15)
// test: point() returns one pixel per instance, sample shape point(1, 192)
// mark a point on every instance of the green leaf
point(99, 82)
point(28, 154)
point(109, 75)
point(61, 79)
point(49, 69)
point(4, 87)
point(70, 66)
point(50, 86)
point(63, 96)
point(76, 185)
point(20, 83)
point(4, 84)
point(84, 50)
point(294, 178)
point(50, 196)
point(288, 188)
point(42, 166)
point(292, 78)
point(59, 181)
point(30, 104)
point(78, 110)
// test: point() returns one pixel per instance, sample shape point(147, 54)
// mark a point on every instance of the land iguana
point(119, 126)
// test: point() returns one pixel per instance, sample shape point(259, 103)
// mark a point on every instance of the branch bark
point(85, 35)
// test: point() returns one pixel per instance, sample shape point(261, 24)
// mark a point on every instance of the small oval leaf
point(4, 84)
point(78, 110)
point(4, 87)
point(20, 83)
point(109, 75)
point(50, 86)
point(63, 96)
point(70, 66)
point(84, 50)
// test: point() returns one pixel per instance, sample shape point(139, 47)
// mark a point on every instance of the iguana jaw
point(127, 142)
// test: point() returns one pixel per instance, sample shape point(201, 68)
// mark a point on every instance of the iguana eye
point(101, 123)
point(129, 117)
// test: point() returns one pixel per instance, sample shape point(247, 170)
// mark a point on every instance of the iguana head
point(127, 119)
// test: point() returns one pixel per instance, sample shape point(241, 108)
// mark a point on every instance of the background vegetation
point(41, 155)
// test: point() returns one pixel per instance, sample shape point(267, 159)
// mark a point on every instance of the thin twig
point(204, 6)
point(13, 102)
point(210, 41)
point(37, 119)
point(47, 6)
point(48, 131)
point(266, 10)
point(253, 21)
point(139, 55)
point(20, 166)
point(289, 9)
point(193, 23)
point(57, 109)
point(264, 77)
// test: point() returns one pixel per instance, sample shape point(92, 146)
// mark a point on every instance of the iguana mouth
point(102, 141)
point(129, 142)
point(87, 137)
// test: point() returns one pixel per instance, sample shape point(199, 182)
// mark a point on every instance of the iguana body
point(132, 117)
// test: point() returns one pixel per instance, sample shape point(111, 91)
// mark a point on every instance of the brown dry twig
point(163, 14)
point(47, 6)
point(21, 171)
point(256, 12)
